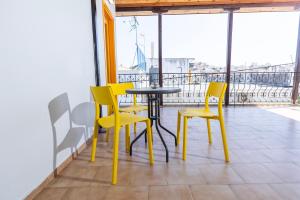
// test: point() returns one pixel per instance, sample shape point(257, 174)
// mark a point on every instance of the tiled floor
point(265, 163)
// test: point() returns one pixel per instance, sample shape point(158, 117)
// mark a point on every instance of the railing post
point(160, 54)
point(228, 56)
point(295, 91)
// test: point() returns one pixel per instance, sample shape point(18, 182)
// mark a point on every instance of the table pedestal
point(154, 115)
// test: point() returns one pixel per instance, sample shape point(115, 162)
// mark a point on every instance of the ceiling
point(150, 7)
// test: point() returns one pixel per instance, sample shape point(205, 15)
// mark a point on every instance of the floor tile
point(86, 193)
point(220, 174)
point(287, 172)
point(187, 174)
point(51, 194)
point(170, 192)
point(255, 173)
point(287, 191)
point(125, 192)
point(212, 192)
point(255, 192)
point(148, 175)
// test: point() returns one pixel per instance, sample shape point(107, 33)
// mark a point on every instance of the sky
point(263, 38)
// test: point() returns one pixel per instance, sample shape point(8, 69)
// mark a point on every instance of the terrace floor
point(264, 145)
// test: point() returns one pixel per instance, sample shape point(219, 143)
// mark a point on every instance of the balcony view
point(150, 100)
point(263, 57)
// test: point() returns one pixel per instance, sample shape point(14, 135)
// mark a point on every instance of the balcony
point(264, 145)
point(263, 140)
point(55, 54)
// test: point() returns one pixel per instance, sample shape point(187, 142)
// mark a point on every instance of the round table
point(153, 97)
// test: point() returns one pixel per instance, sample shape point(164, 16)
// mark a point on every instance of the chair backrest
point(120, 88)
point(104, 96)
point(215, 89)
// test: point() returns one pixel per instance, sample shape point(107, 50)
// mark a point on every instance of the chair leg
point(115, 155)
point(185, 121)
point(107, 135)
point(127, 137)
point(225, 146)
point(178, 127)
point(209, 131)
point(149, 135)
point(94, 142)
point(134, 129)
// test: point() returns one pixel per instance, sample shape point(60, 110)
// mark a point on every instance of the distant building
point(127, 70)
point(171, 65)
point(189, 65)
point(202, 67)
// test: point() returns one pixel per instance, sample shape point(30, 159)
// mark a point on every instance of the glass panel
point(263, 56)
point(136, 43)
point(194, 54)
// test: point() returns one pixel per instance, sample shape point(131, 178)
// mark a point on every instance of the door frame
point(109, 44)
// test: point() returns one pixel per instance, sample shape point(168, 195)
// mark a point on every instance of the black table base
point(154, 115)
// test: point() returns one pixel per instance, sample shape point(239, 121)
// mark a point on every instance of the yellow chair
point(104, 96)
point(120, 89)
point(215, 89)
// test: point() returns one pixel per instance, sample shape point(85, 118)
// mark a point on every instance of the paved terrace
point(264, 145)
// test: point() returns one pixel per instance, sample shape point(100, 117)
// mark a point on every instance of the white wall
point(46, 49)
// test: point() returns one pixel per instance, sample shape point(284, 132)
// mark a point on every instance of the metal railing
point(245, 87)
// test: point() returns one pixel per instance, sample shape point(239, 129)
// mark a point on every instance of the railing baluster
point(246, 87)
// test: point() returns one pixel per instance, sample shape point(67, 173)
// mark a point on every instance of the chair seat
point(192, 112)
point(125, 119)
point(134, 108)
